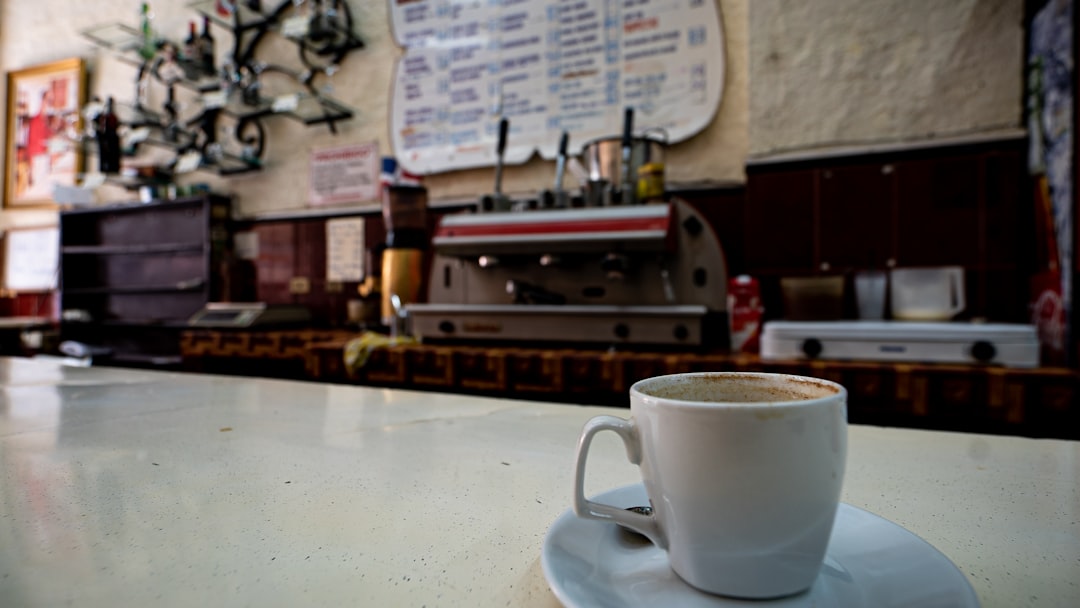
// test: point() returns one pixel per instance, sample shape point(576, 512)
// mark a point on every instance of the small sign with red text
point(344, 174)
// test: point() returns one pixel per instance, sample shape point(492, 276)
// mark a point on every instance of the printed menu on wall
point(548, 66)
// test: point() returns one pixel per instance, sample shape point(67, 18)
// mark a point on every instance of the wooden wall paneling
point(296, 250)
point(854, 219)
point(311, 255)
point(276, 261)
point(29, 305)
point(1008, 225)
point(1006, 236)
point(998, 294)
point(310, 264)
point(778, 221)
point(938, 211)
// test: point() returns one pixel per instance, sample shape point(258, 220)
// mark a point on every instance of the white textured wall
point(363, 83)
point(823, 71)
point(871, 71)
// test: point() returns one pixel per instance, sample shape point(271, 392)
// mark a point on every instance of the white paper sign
point(345, 249)
point(93, 180)
point(31, 259)
point(214, 99)
point(344, 174)
point(187, 162)
point(136, 135)
point(295, 27)
point(246, 245)
point(285, 103)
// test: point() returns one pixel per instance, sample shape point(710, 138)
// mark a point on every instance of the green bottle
point(149, 46)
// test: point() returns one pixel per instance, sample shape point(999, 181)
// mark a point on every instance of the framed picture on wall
point(41, 143)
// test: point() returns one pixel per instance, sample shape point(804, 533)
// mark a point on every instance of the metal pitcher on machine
point(625, 170)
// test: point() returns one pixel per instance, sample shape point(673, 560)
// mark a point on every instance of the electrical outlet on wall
point(299, 286)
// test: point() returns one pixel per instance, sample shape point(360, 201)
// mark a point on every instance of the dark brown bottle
point(172, 110)
point(206, 49)
point(108, 140)
point(192, 52)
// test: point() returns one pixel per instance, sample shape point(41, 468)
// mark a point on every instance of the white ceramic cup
point(870, 289)
point(743, 472)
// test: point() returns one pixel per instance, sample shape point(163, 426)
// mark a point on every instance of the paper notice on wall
point(344, 174)
point(345, 249)
point(246, 245)
point(31, 258)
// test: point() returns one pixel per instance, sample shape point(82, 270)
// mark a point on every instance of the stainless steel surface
point(653, 325)
point(627, 187)
point(604, 157)
point(249, 314)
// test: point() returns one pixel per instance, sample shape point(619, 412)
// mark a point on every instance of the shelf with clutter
point(131, 275)
point(211, 116)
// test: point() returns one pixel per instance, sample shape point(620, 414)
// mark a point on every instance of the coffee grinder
point(404, 210)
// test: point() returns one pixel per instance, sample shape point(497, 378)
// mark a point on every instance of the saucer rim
point(568, 513)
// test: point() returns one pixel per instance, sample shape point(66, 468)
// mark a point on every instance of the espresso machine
point(645, 274)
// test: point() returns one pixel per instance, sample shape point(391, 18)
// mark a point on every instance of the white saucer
point(871, 562)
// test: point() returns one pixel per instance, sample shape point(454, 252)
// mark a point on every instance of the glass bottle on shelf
point(192, 54)
point(229, 75)
point(206, 48)
point(148, 45)
point(172, 112)
point(321, 28)
point(108, 136)
point(248, 82)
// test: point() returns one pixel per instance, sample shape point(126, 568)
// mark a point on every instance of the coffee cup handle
point(625, 429)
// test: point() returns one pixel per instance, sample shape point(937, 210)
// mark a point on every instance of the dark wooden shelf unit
point(134, 273)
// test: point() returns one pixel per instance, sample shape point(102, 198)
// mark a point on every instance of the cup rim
point(637, 390)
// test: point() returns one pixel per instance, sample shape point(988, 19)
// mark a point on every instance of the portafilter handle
point(527, 293)
point(626, 188)
point(560, 167)
point(504, 127)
